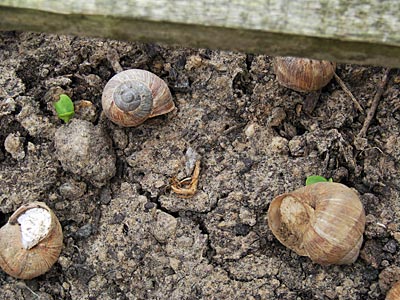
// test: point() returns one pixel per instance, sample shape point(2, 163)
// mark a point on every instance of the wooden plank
point(366, 32)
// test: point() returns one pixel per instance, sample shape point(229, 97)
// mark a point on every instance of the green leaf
point(315, 178)
point(64, 108)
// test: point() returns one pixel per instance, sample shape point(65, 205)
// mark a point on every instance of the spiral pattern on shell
point(303, 74)
point(132, 96)
point(324, 221)
point(23, 263)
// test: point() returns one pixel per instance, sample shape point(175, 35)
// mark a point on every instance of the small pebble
point(250, 130)
point(85, 110)
point(85, 231)
point(14, 145)
point(72, 189)
point(165, 226)
point(390, 247)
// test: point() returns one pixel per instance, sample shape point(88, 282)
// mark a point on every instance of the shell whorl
point(324, 221)
point(130, 95)
point(303, 74)
point(133, 96)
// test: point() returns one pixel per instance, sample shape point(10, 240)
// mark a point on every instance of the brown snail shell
point(132, 96)
point(303, 74)
point(324, 221)
point(394, 292)
point(28, 259)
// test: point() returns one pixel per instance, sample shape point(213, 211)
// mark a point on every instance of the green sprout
point(64, 108)
point(315, 178)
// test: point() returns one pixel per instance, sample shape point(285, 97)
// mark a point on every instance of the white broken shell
point(30, 242)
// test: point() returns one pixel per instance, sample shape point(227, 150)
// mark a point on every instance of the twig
point(190, 182)
point(347, 91)
point(374, 105)
point(23, 285)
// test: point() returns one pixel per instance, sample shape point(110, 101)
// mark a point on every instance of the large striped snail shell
point(303, 74)
point(30, 242)
point(132, 96)
point(324, 221)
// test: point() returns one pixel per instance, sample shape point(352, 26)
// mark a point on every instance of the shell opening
point(324, 221)
point(129, 94)
point(35, 226)
point(294, 222)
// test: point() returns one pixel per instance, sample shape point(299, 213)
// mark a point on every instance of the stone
point(86, 150)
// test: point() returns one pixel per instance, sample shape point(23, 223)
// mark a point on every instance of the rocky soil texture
point(127, 235)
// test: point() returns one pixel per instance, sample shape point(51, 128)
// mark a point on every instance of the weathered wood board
point(366, 32)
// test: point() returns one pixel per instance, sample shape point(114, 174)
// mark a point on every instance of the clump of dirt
point(86, 151)
point(130, 237)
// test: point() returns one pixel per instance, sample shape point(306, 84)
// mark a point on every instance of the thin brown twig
point(190, 182)
point(348, 92)
point(374, 105)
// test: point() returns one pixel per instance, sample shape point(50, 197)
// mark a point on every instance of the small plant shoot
point(64, 108)
point(316, 178)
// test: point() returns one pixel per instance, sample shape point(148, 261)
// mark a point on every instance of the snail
point(394, 292)
point(30, 242)
point(324, 221)
point(132, 96)
point(303, 74)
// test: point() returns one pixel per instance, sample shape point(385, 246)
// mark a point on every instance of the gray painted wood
point(365, 31)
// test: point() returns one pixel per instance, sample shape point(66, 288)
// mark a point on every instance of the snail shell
point(394, 292)
point(25, 254)
point(324, 221)
point(132, 96)
point(303, 74)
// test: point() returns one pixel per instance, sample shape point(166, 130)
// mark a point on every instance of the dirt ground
point(128, 236)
